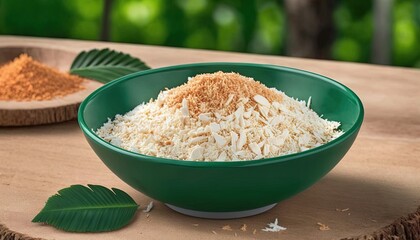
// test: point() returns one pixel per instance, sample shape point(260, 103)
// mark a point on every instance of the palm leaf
point(88, 209)
point(105, 65)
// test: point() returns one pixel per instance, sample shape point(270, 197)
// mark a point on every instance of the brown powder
point(210, 92)
point(25, 79)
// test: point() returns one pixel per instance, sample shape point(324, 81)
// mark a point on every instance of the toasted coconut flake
point(216, 90)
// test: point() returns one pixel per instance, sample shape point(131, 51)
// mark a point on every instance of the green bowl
point(222, 189)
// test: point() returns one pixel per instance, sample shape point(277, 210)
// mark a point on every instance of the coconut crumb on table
point(243, 227)
point(323, 227)
point(220, 117)
point(149, 207)
point(227, 228)
point(274, 227)
point(342, 210)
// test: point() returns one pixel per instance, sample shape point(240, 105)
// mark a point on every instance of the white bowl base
point(221, 215)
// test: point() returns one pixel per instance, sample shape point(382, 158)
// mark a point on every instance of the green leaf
point(105, 65)
point(88, 209)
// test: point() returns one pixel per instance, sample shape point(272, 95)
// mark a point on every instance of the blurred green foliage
point(353, 20)
point(224, 25)
point(51, 18)
point(259, 26)
point(406, 37)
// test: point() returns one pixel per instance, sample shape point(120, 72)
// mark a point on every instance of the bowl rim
point(236, 163)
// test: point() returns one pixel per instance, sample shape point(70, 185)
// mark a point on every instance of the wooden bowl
point(24, 113)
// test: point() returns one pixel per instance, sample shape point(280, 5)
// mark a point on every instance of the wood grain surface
point(60, 109)
point(377, 181)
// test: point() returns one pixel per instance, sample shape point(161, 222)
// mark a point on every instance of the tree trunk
point(382, 10)
point(106, 15)
point(310, 28)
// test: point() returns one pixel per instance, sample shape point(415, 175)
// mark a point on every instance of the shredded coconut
point(193, 122)
point(274, 227)
point(149, 207)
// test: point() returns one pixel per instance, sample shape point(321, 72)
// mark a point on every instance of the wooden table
point(378, 180)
